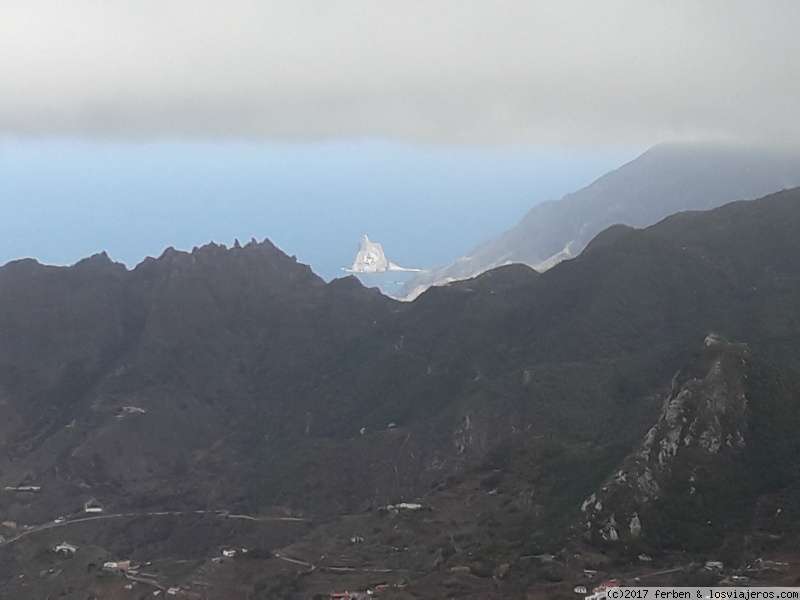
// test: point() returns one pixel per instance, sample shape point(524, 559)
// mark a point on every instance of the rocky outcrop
point(701, 430)
point(370, 258)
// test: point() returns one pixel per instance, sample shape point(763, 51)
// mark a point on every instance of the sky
point(430, 125)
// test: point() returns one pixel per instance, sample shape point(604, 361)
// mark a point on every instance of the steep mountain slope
point(182, 337)
point(694, 482)
point(662, 181)
point(235, 379)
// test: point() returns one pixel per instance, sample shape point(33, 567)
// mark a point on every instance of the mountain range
point(499, 436)
point(666, 179)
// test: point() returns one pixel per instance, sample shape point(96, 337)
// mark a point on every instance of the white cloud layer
point(446, 71)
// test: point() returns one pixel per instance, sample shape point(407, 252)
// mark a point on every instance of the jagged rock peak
point(252, 260)
point(100, 263)
point(97, 258)
point(217, 249)
point(370, 258)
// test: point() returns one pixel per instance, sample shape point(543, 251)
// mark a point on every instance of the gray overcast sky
point(458, 71)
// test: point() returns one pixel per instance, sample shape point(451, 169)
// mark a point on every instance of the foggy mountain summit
point(666, 179)
point(370, 258)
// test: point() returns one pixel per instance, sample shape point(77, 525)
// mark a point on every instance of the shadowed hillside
point(237, 380)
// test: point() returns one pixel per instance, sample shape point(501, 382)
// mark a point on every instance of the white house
point(65, 548)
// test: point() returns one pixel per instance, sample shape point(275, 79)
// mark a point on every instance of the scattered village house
point(119, 565)
point(24, 488)
point(65, 548)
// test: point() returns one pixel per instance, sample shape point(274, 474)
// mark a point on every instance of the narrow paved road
point(220, 514)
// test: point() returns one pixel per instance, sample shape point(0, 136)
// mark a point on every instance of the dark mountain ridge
point(237, 379)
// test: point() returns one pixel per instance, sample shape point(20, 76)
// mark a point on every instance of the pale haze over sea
point(67, 199)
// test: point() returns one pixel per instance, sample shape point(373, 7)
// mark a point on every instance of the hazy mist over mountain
point(666, 179)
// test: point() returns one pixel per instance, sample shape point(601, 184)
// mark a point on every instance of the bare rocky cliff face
point(371, 259)
point(702, 429)
point(694, 480)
